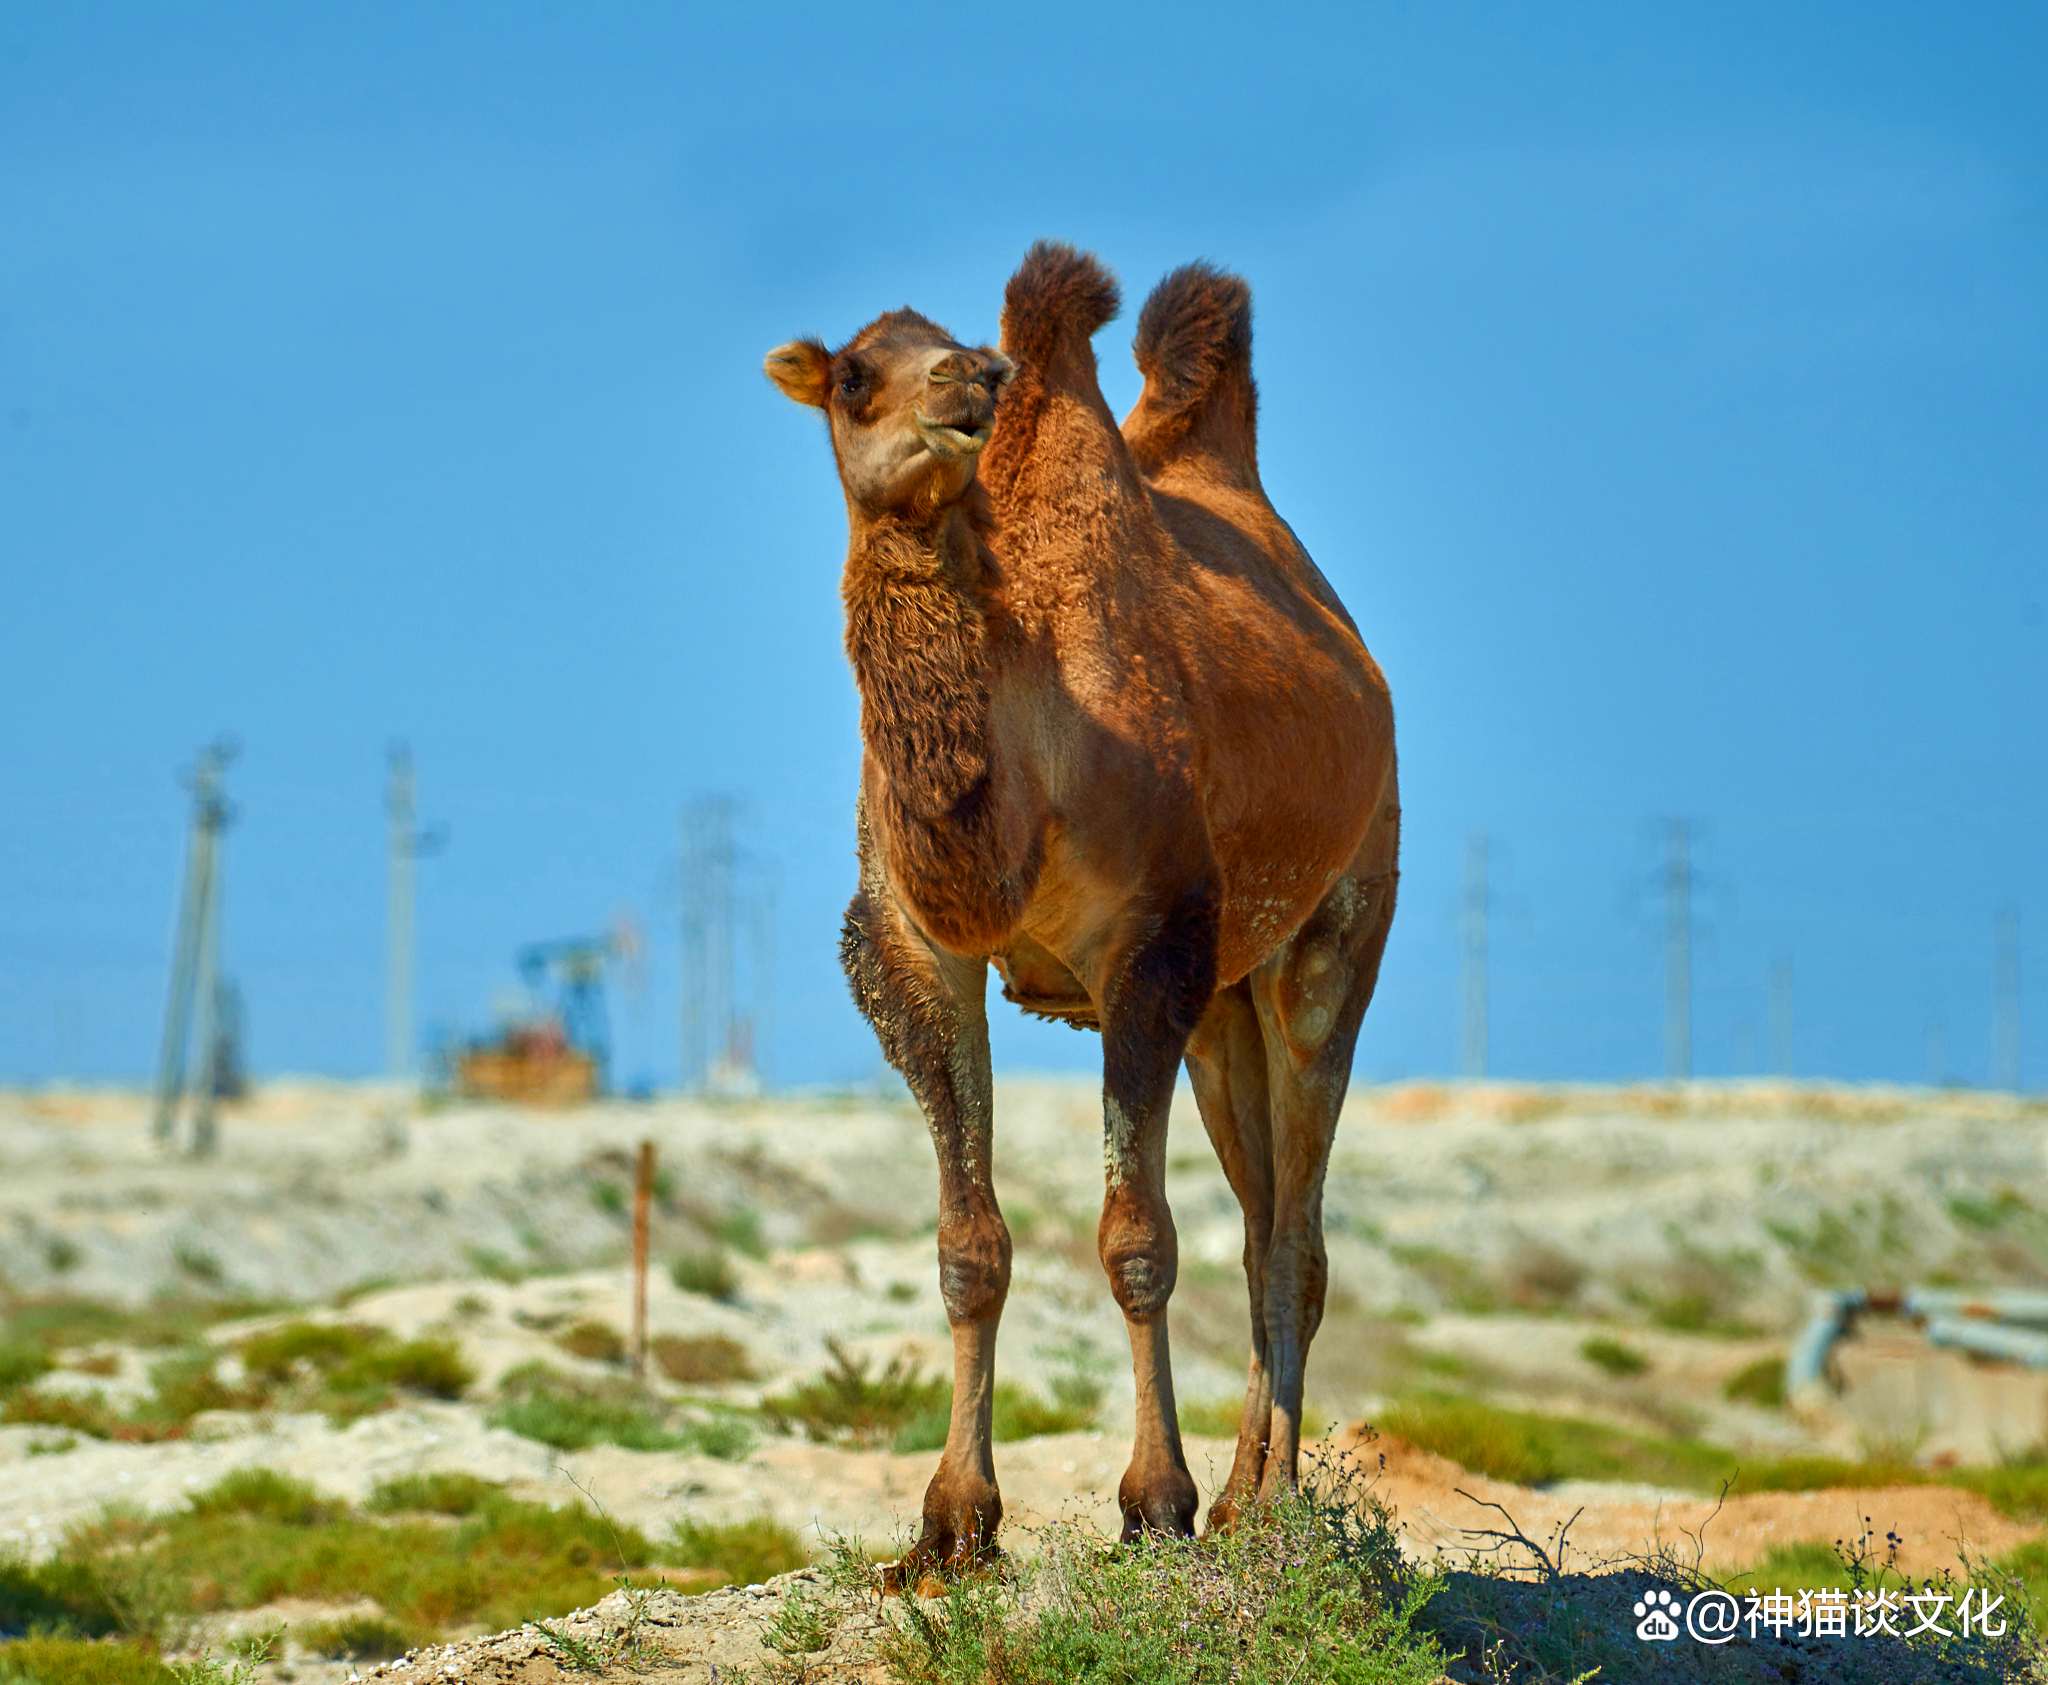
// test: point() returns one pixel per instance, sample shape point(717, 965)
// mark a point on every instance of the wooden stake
point(643, 1189)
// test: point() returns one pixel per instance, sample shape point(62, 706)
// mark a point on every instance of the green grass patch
point(1308, 1593)
point(1618, 1360)
point(442, 1492)
point(1211, 1418)
point(2027, 1566)
point(48, 1660)
point(746, 1552)
point(1809, 1564)
point(57, 1321)
point(570, 1413)
point(181, 1386)
point(1533, 1450)
point(247, 1541)
point(2019, 1488)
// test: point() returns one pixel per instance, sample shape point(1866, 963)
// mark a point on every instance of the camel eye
point(852, 385)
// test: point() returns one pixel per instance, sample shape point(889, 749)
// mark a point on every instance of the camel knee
point(1140, 1253)
point(974, 1266)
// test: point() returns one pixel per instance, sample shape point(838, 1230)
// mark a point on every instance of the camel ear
point(803, 369)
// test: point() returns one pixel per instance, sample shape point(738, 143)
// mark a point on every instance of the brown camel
point(1121, 741)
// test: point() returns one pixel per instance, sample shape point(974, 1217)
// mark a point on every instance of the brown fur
point(1124, 744)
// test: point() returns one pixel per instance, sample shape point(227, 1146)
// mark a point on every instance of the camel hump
point(1058, 294)
point(1194, 348)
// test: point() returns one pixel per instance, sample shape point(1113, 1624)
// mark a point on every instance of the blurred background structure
point(1663, 389)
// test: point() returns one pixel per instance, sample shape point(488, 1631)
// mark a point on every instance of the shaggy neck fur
point(917, 635)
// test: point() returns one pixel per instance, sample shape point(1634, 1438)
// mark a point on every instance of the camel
point(1122, 742)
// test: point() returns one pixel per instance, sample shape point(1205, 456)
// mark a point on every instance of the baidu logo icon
point(1656, 1624)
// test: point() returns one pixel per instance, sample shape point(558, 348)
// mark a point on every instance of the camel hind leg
point(1226, 1060)
point(1311, 997)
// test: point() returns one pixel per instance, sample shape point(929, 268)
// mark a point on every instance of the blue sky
point(1664, 388)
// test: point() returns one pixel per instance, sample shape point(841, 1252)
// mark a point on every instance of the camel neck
point(918, 639)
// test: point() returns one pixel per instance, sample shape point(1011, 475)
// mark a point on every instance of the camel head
point(910, 409)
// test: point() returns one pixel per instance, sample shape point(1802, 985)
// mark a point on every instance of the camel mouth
point(950, 438)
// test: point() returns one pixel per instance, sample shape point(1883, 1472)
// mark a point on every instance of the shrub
point(435, 1367)
point(708, 1273)
point(749, 1552)
point(442, 1492)
point(705, 1359)
point(268, 1494)
point(21, 1362)
point(1761, 1382)
point(597, 1341)
point(53, 1596)
point(741, 1230)
point(1614, 1357)
point(326, 1346)
point(846, 1403)
point(359, 1638)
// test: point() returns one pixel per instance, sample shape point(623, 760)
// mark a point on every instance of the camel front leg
point(1149, 1009)
point(927, 1009)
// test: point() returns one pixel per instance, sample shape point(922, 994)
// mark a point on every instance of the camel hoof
point(925, 1570)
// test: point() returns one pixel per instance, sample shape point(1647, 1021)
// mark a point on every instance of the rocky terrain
point(1494, 1242)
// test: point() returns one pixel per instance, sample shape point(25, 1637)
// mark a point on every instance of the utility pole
point(1472, 1052)
point(408, 845)
point(1678, 880)
point(707, 937)
point(2005, 1012)
point(724, 1048)
point(1781, 1017)
point(195, 959)
point(1935, 1041)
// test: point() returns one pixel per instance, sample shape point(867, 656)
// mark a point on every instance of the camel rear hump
point(1194, 348)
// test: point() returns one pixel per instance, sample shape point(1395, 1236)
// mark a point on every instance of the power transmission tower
point(1472, 1051)
point(728, 896)
point(1781, 1017)
point(408, 846)
point(2005, 1012)
point(195, 961)
point(1678, 885)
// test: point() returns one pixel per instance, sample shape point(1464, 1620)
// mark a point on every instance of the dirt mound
point(1446, 1510)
